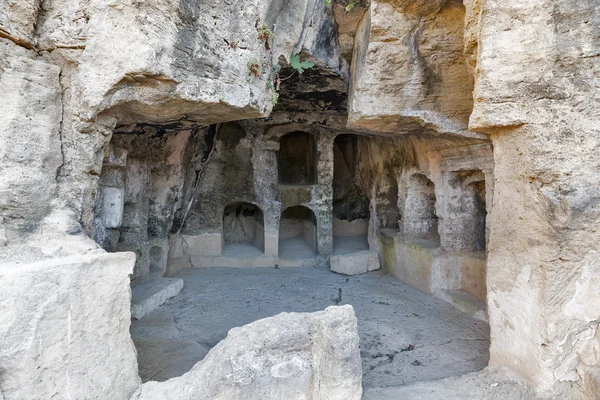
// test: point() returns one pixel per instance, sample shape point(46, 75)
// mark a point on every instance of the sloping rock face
point(290, 355)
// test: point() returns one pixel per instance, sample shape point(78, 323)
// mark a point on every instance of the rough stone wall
point(73, 72)
point(140, 189)
point(350, 200)
point(540, 110)
point(30, 125)
point(409, 70)
point(437, 251)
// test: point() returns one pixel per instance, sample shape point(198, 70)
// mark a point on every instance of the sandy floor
point(406, 336)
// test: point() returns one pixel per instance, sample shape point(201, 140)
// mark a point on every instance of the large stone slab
point(148, 296)
point(114, 201)
point(64, 328)
point(356, 263)
point(288, 356)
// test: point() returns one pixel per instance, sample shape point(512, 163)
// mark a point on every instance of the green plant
point(273, 83)
point(264, 32)
point(327, 3)
point(254, 68)
point(350, 6)
point(264, 35)
point(299, 66)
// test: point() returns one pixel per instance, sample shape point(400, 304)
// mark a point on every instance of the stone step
point(148, 296)
point(359, 262)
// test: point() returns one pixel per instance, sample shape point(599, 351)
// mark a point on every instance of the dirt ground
point(406, 336)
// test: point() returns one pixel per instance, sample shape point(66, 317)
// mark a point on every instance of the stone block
point(288, 356)
point(148, 296)
point(356, 263)
point(113, 202)
point(65, 328)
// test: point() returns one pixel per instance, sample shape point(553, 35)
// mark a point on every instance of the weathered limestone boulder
point(288, 356)
point(356, 263)
point(64, 330)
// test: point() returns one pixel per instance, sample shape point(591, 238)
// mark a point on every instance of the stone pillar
point(323, 194)
point(264, 162)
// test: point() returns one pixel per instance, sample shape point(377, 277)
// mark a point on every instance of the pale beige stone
point(66, 320)
point(291, 355)
point(356, 263)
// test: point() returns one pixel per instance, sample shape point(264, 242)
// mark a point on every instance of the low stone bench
point(356, 263)
point(148, 296)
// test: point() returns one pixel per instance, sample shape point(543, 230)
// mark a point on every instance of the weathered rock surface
point(409, 71)
point(540, 110)
point(65, 328)
point(30, 146)
point(290, 355)
point(147, 297)
point(356, 263)
point(17, 20)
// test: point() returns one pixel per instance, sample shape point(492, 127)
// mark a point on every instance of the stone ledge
point(147, 297)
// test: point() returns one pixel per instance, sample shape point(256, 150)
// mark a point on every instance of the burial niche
point(420, 219)
point(297, 158)
point(350, 202)
point(474, 198)
point(466, 232)
point(243, 230)
point(297, 233)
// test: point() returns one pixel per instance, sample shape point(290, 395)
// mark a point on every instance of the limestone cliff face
point(459, 81)
point(409, 70)
point(128, 62)
point(536, 95)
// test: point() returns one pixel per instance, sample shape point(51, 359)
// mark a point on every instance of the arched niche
point(297, 159)
point(420, 219)
point(243, 230)
point(351, 205)
point(297, 233)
